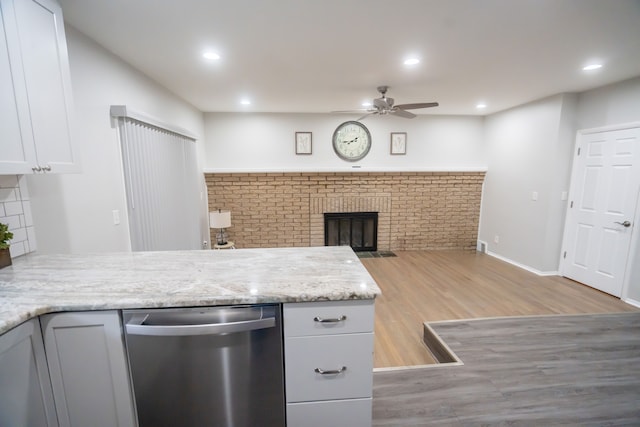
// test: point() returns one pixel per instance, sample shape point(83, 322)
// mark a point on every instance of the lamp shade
point(220, 219)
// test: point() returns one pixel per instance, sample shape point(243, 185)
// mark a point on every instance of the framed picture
point(304, 143)
point(398, 143)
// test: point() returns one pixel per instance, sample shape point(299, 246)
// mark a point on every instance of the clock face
point(351, 141)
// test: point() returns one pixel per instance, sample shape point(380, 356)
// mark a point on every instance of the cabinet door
point(346, 361)
point(89, 375)
point(17, 155)
point(43, 49)
point(334, 413)
point(25, 389)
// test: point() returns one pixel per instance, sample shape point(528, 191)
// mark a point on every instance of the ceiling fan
point(384, 105)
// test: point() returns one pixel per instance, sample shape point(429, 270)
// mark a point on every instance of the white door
point(604, 189)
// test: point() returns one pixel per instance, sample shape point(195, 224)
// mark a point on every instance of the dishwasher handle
point(135, 326)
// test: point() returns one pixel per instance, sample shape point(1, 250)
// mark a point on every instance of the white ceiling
point(325, 55)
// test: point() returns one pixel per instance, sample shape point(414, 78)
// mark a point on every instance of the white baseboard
point(524, 267)
point(632, 302)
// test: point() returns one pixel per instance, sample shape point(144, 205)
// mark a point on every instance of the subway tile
point(22, 185)
point(13, 208)
point(19, 235)
point(8, 195)
point(28, 218)
point(31, 237)
point(17, 249)
point(8, 181)
point(12, 221)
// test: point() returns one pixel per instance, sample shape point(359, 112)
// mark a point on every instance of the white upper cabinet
point(35, 114)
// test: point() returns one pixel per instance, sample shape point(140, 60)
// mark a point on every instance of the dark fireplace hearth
point(356, 229)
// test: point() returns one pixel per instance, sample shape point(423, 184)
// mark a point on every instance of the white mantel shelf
point(352, 168)
point(40, 284)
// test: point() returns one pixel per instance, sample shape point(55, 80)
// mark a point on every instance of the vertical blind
point(162, 186)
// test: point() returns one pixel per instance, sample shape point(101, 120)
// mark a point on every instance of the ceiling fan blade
point(402, 113)
point(417, 105)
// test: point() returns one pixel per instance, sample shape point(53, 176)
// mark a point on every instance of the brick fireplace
point(416, 210)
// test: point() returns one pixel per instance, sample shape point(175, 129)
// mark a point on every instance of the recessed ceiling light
point(210, 55)
point(481, 105)
point(592, 67)
point(245, 102)
point(411, 61)
point(366, 104)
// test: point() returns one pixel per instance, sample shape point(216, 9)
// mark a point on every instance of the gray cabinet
point(329, 363)
point(87, 364)
point(25, 389)
point(36, 103)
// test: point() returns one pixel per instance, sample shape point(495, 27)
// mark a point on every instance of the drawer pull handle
point(330, 372)
point(333, 320)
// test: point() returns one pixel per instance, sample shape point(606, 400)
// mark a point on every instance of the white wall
point(73, 213)
point(610, 105)
point(265, 142)
point(529, 150)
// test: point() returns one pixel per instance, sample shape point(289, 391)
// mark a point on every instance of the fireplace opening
point(356, 229)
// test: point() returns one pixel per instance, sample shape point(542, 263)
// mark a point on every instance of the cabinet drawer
point(350, 353)
point(334, 413)
point(340, 317)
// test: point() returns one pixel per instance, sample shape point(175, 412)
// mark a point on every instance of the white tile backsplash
point(8, 195)
point(15, 210)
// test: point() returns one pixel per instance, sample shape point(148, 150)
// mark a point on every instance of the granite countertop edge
point(42, 284)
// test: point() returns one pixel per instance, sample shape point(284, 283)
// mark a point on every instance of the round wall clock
point(351, 141)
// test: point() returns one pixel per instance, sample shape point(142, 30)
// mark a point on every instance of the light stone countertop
point(39, 284)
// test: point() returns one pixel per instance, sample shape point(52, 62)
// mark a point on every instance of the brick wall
point(417, 210)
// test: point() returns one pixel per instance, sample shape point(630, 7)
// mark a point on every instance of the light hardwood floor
point(420, 286)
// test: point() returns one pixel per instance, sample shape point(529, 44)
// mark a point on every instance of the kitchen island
point(77, 302)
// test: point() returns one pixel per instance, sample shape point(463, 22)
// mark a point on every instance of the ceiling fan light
point(591, 67)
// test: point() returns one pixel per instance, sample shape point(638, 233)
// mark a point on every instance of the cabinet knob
point(47, 168)
point(36, 169)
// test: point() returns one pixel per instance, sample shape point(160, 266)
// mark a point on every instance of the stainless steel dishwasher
point(213, 366)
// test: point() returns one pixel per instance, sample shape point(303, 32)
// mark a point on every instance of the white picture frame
point(304, 143)
point(398, 144)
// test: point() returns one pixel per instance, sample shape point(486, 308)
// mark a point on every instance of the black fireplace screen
point(356, 229)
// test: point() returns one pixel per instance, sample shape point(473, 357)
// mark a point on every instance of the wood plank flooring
point(419, 286)
point(581, 370)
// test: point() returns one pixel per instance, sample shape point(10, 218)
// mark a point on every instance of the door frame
point(634, 246)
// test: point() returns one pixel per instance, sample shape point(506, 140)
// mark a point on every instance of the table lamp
point(220, 219)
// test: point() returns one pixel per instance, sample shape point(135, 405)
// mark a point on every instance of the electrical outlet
point(496, 239)
point(534, 196)
point(116, 216)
